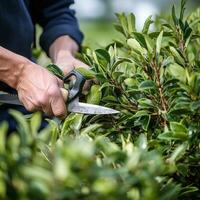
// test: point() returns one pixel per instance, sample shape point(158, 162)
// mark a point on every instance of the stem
point(163, 100)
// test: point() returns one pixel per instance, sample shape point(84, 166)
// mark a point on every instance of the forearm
point(62, 47)
point(11, 66)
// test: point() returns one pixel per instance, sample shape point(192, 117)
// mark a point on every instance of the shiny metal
point(74, 106)
point(85, 108)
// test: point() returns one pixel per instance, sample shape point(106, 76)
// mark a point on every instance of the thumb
point(64, 93)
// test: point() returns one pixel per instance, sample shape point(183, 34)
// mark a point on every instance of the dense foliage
point(148, 151)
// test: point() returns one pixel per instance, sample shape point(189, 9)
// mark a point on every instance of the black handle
point(77, 86)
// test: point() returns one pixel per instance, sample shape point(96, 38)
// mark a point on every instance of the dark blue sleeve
point(57, 19)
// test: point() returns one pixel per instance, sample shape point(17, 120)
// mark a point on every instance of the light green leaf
point(130, 82)
point(131, 23)
point(177, 56)
point(3, 128)
point(88, 74)
point(135, 45)
point(35, 123)
point(141, 113)
point(94, 95)
point(142, 142)
point(178, 127)
point(158, 44)
point(90, 129)
point(177, 72)
point(22, 127)
point(147, 24)
point(178, 153)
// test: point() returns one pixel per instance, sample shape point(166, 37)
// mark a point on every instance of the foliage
point(148, 151)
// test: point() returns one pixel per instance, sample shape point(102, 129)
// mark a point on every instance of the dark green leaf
point(55, 70)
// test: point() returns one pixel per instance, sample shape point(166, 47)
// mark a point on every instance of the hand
point(62, 54)
point(38, 89)
point(67, 62)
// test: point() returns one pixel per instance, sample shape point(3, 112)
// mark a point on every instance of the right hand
point(39, 90)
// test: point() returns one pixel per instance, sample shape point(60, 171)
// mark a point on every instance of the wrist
point(11, 67)
point(63, 46)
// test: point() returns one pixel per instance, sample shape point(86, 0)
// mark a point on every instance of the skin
point(38, 89)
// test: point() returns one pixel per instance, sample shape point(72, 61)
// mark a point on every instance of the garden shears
point(73, 104)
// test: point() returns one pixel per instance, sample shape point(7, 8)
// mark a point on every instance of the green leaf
point(178, 57)
point(55, 70)
point(147, 84)
point(94, 96)
point(145, 122)
point(179, 131)
point(178, 127)
point(177, 72)
point(145, 103)
point(88, 74)
point(140, 38)
point(169, 60)
point(147, 24)
point(119, 28)
point(142, 142)
point(141, 113)
point(131, 23)
point(150, 44)
point(168, 135)
point(178, 153)
point(109, 98)
point(65, 129)
point(135, 45)
point(130, 82)
point(182, 9)
point(120, 61)
point(3, 128)
point(22, 126)
point(175, 20)
point(158, 44)
point(123, 22)
point(103, 54)
point(35, 123)
point(90, 129)
point(77, 122)
point(187, 33)
point(195, 106)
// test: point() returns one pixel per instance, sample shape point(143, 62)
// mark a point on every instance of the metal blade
point(86, 108)
point(74, 106)
point(10, 99)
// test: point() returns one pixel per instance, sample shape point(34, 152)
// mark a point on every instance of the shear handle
point(77, 86)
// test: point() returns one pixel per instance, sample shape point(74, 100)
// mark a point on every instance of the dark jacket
point(18, 17)
point(17, 28)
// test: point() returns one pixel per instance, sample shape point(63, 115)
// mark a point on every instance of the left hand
point(67, 62)
point(62, 53)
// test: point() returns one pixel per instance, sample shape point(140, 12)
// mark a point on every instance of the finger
point(78, 64)
point(64, 94)
point(28, 103)
point(60, 83)
point(47, 110)
point(58, 106)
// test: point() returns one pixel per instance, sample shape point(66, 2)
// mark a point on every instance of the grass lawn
point(98, 33)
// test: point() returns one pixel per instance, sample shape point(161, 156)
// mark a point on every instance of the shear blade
point(75, 106)
point(10, 99)
point(86, 108)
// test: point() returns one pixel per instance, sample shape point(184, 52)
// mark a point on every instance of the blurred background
point(96, 17)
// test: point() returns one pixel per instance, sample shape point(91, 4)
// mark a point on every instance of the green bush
point(148, 151)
